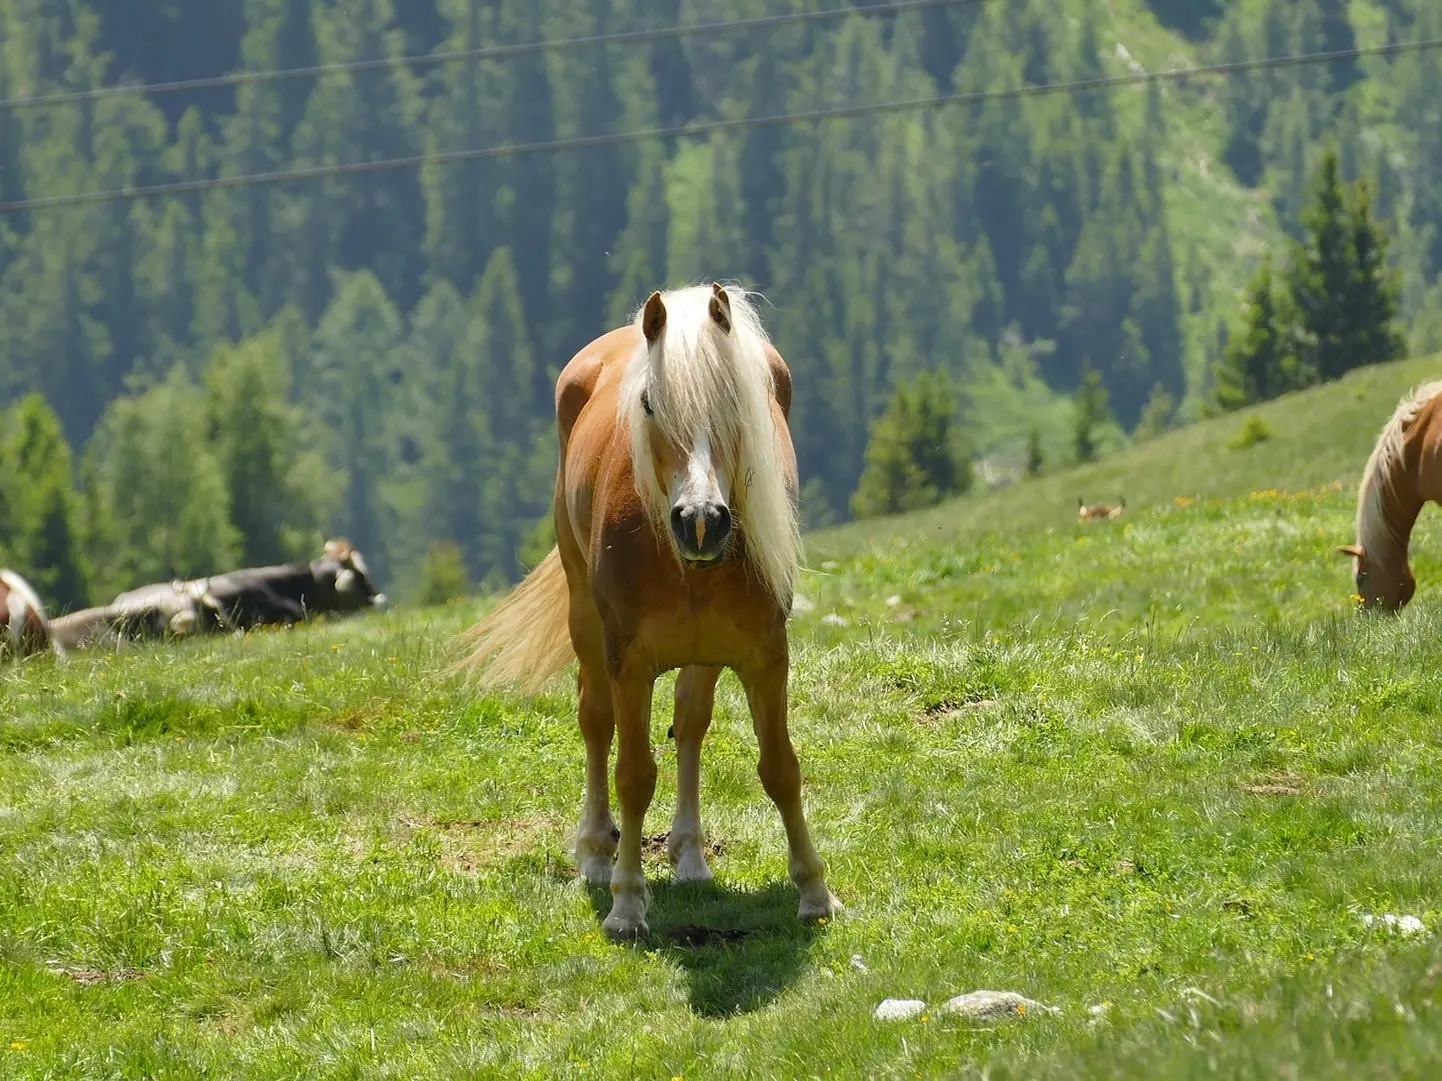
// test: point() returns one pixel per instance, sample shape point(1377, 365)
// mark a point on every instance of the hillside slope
point(1321, 436)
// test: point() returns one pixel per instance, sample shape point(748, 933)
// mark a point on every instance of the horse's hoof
point(625, 928)
point(596, 871)
point(819, 904)
point(688, 864)
point(692, 868)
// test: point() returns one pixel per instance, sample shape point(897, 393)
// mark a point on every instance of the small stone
point(1402, 925)
point(899, 1009)
point(801, 605)
point(858, 964)
point(993, 1006)
point(1100, 1009)
point(893, 600)
point(831, 619)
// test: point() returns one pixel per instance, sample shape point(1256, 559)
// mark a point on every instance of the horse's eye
point(646, 403)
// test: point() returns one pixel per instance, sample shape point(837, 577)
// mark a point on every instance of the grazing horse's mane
point(1375, 532)
point(698, 378)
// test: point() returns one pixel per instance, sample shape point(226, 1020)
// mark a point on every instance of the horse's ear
point(720, 307)
point(1353, 550)
point(653, 318)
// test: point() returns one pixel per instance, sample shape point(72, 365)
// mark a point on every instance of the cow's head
point(343, 570)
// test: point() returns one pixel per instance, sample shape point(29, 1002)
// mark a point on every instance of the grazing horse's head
point(1388, 504)
point(708, 459)
point(1386, 584)
point(344, 570)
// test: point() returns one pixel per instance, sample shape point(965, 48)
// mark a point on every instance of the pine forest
point(229, 375)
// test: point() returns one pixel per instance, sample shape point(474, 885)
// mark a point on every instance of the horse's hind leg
point(695, 698)
point(780, 774)
point(597, 834)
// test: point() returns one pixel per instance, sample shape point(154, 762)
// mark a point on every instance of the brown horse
point(1403, 473)
point(677, 545)
point(24, 630)
point(1097, 512)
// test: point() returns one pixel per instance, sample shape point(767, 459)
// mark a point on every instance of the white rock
point(1100, 1009)
point(831, 619)
point(830, 565)
point(801, 605)
point(899, 1009)
point(893, 600)
point(1403, 925)
point(993, 1006)
point(858, 964)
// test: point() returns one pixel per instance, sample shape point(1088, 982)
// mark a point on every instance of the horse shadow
point(740, 948)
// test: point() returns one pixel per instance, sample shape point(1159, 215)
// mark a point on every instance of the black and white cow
point(337, 582)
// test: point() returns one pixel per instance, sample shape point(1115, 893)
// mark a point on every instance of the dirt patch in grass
point(946, 709)
point(655, 846)
point(467, 846)
point(1275, 784)
point(93, 977)
point(690, 934)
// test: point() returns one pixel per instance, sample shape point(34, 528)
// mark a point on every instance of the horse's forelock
point(701, 376)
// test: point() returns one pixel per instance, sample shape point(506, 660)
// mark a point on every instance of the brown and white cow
point(24, 630)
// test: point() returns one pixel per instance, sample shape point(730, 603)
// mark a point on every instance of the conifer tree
point(913, 458)
point(250, 422)
point(1260, 362)
point(1091, 408)
point(1340, 286)
point(38, 504)
point(160, 487)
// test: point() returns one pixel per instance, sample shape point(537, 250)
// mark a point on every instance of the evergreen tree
point(1158, 414)
point(1343, 292)
point(1091, 408)
point(160, 488)
point(1034, 458)
point(246, 389)
point(913, 458)
point(38, 503)
point(1260, 362)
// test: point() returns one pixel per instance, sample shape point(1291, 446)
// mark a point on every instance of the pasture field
point(1156, 763)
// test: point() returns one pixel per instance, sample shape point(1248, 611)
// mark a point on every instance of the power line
point(185, 187)
point(490, 52)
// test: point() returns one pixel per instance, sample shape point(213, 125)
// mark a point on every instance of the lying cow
point(24, 630)
point(237, 601)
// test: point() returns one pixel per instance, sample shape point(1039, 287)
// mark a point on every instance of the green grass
point(1121, 763)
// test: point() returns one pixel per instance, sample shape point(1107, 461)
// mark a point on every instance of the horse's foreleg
point(635, 785)
point(596, 835)
point(781, 777)
point(695, 698)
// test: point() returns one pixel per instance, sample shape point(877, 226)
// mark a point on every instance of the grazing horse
point(1099, 511)
point(336, 582)
point(676, 547)
point(24, 630)
point(1403, 473)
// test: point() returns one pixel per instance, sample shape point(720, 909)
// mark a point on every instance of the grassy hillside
point(1155, 763)
point(1321, 436)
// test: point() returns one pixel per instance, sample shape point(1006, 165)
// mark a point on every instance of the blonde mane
point(1375, 534)
point(700, 378)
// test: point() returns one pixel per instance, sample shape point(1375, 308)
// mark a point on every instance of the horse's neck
point(1400, 506)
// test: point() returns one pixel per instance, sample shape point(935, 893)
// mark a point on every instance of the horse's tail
point(527, 639)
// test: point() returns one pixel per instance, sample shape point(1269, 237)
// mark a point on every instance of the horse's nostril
point(720, 519)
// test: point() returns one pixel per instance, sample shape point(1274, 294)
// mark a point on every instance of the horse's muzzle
point(701, 530)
